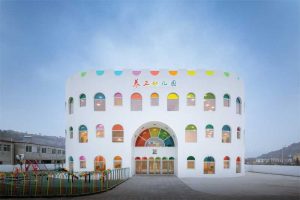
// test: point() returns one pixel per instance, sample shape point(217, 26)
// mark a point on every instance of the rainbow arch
point(154, 137)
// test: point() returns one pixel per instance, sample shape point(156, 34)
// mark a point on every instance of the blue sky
point(42, 43)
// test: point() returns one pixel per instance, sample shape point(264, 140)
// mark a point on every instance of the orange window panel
point(140, 142)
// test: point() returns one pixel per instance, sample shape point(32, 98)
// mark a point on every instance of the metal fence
point(50, 184)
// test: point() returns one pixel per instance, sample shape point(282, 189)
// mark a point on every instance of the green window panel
point(191, 158)
point(209, 96)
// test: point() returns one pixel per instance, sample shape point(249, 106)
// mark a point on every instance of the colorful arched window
point(118, 99)
point(71, 105)
point(173, 102)
point(226, 100)
point(83, 134)
point(191, 99)
point(136, 102)
point(117, 162)
point(238, 133)
point(226, 134)
point(226, 162)
point(191, 133)
point(71, 132)
point(154, 137)
point(71, 164)
point(191, 162)
point(209, 102)
point(209, 165)
point(238, 106)
point(82, 161)
point(209, 131)
point(238, 165)
point(82, 100)
point(99, 130)
point(154, 99)
point(99, 163)
point(99, 102)
point(117, 133)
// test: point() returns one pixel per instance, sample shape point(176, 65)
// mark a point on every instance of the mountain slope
point(288, 151)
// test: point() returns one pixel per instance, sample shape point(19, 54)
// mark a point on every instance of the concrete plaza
point(252, 186)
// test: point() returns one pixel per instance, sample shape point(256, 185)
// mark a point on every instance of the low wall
point(10, 168)
point(274, 169)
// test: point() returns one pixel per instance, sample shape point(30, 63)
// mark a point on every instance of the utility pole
point(282, 155)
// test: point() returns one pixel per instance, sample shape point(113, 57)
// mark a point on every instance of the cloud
point(165, 40)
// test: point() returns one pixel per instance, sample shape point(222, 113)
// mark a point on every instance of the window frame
point(191, 134)
point(136, 102)
point(191, 162)
point(209, 102)
point(173, 102)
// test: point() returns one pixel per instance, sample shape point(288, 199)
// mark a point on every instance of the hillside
point(16, 136)
point(290, 150)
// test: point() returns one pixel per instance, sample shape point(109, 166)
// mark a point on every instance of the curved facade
point(184, 122)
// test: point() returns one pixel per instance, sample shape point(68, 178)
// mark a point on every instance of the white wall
point(274, 169)
point(200, 84)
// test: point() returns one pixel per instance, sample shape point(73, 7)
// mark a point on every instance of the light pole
point(282, 155)
point(25, 144)
point(20, 159)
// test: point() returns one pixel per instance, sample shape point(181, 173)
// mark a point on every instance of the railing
point(51, 184)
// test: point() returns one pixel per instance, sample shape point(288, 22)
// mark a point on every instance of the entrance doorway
point(154, 165)
point(154, 149)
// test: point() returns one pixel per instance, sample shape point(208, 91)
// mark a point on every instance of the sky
point(42, 43)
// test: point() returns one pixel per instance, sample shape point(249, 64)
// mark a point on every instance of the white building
point(184, 122)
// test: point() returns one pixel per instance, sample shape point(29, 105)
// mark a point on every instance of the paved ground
point(149, 187)
point(250, 187)
point(253, 186)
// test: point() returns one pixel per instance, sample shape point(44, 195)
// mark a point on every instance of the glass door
point(151, 165)
point(171, 165)
point(138, 165)
point(144, 165)
point(157, 165)
point(165, 165)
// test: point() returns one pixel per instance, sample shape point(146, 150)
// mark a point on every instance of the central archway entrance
point(154, 150)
